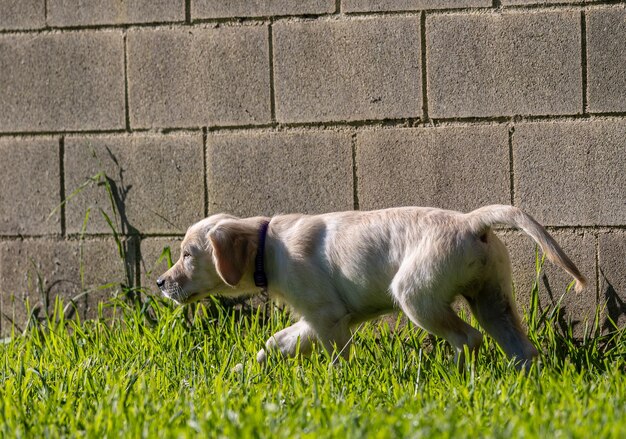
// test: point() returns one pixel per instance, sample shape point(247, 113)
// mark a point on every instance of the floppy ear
point(233, 243)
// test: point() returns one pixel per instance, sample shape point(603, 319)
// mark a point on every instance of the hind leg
point(438, 318)
point(426, 297)
point(494, 309)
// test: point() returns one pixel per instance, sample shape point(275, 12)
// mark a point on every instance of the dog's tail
point(480, 220)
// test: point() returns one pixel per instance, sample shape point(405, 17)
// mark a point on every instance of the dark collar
point(260, 278)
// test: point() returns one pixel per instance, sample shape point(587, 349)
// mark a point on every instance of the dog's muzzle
point(172, 290)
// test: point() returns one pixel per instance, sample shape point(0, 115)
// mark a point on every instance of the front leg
point(335, 335)
point(286, 341)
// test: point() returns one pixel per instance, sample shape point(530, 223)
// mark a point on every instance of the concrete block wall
point(186, 108)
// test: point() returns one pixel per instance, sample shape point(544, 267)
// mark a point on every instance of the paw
point(261, 356)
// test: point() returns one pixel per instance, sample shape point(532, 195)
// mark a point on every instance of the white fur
point(339, 269)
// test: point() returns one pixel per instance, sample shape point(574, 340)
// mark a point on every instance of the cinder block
point(156, 181)
point(543, 2)
point(579, 245)
point(58, 82)
point(571, 173)
point(195, 77)
point(93, 12)
point(269, 173)
point(347, 70)
point(504, 64)
point(151, 268)
point(41, 270)
point(31, 186)
point(22, 14)
point(409, 5)
point(612, 260)
point(606, 60)
point(453, 168)
point(259, 8)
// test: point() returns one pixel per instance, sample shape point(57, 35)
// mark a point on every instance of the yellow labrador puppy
point(338, 269)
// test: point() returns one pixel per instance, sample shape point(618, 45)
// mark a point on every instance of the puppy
point(339, 269)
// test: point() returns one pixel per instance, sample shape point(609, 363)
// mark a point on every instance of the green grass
point(174, 375)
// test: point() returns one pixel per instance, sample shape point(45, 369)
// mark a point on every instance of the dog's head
point(215, 255)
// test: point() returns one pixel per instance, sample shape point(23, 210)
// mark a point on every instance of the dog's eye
point(186, 255)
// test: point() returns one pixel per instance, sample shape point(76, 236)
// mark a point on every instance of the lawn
point(164, 371)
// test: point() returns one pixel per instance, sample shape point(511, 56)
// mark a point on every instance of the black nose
point(160, 282)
